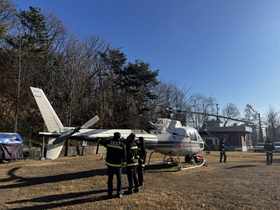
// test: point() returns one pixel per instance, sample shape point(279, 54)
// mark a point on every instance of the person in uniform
point(222, 150)
point(115, 159)
point(142, 152)
point(131, 164)
point(269, 150)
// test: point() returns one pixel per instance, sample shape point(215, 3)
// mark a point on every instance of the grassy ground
point(245, 182)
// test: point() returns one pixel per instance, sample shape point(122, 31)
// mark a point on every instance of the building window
point(209, 141)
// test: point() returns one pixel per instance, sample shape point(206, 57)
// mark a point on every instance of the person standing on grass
point(115, 159)
point(131, 164)
point(141, 161)
point(222, 150)
point(269, 150)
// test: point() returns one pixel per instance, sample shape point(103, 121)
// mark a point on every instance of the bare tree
point(7, 15)
point(252, 116)
point(170, 96)
point(203, 104)
point(230, 110)
point(74, 68)
point(272, 117)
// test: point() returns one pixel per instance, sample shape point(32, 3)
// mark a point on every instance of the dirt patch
point(245, 182)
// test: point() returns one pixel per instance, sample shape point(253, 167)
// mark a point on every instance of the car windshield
point(260, 144)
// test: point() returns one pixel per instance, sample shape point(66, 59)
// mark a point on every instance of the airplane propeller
point(69, 133)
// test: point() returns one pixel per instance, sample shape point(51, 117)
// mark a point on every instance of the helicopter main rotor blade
point(170, 110)
point(219, 116)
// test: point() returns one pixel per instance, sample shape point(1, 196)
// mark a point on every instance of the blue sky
point(227, 49)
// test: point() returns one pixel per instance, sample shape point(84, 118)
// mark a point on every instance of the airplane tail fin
point(51, 120)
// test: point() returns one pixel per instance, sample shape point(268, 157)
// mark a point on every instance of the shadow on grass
point(161, 168)
point(55, 201)
point(242, 166)
point(51, 199)
point(24, 182)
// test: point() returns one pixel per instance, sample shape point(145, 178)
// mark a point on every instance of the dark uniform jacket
point(142, 152)
point(131, 153)
point(116, 154)
point(269, 146)
point(222, 148)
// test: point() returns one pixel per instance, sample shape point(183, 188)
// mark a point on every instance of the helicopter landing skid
point(191, 167)
point(177, 161)
point(172, 160)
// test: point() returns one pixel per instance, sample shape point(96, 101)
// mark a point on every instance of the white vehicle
point(277, 146)
point(259, 147)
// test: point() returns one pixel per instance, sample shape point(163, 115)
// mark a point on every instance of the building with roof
point(238, 137)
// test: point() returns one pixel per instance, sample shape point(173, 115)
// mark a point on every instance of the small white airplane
point(169, 136)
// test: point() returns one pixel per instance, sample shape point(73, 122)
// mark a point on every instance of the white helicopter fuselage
point(174, 139)
point(169, 137)
point(165, 141)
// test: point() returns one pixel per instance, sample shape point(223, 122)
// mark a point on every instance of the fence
point(36, 152)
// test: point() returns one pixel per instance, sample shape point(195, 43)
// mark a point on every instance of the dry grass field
point(245, 182)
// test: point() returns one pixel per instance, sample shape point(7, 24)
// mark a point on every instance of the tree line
point(83, 77)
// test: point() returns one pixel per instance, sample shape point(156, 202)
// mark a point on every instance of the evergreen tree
point(34, 36)
point(138, 81)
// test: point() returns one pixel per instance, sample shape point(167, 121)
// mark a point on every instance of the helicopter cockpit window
point(192, 135)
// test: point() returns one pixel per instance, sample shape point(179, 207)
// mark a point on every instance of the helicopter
point(167, 137)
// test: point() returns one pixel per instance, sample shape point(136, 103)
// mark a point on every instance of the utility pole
point(260, 123)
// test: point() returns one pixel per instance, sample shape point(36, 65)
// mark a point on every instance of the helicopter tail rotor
point(69, 133)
